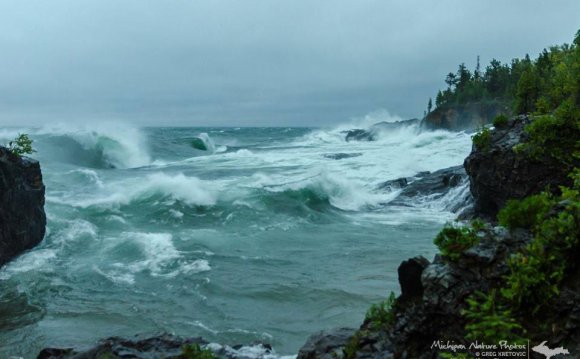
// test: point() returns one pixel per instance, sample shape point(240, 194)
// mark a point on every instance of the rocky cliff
point(499, 173)
point(469, 116)
point(429, 317)
point(22, 217)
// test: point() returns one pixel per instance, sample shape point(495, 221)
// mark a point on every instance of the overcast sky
point(250, 62)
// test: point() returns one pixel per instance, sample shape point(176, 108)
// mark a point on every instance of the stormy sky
point(252, 62)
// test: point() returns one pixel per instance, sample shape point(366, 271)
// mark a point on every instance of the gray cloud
point(252, 62)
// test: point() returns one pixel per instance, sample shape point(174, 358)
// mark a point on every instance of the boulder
point(410, 272)
point(373, 132)
point(22, 217)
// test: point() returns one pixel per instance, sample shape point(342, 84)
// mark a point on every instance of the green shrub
point(352, 346)
point(382, 314)
point(537, 272)
point(525, 213)
point(194, 351)
point(490, 321)
point(21, 145)
point(482, 139)
point(500, 121)
point(452, 241)
point(555, 137)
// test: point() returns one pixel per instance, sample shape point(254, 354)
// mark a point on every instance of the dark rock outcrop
point(162, 346)
point(433, 295)
point(464, 117)
point(410, 278)
point(326, 344)
point(432, 185)
point(341, 155)
point(498, 174)
point(432, 299)
point(22, 217)
point(372, 133)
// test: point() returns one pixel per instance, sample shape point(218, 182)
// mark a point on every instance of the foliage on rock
point(194, 351)
point(21, 145)
point(382, 314)
point(452, 241)
point(482, 139)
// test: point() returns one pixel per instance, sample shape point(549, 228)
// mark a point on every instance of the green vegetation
point(490, 321)
point(525, 213)
point(21, 145)
point(531, 86)
point(555, 137)
point(452, 241)
point(537, 272)
point(482, 139)
point(194, 351)
point(522, 303)
point(353, 345)
point(382, 314)
point(500, 121)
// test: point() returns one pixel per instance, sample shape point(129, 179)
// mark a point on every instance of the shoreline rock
point(373, 132)
point(22, 216)
point(466, 117)
point(498, 173)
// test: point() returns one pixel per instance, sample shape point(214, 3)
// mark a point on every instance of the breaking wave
point(104, 145)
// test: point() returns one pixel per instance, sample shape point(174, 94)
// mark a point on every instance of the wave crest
point(102, 145)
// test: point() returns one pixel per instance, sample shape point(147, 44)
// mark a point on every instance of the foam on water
point(266, 234)
point(37, 260)
point(155, 254)
point(173, 187)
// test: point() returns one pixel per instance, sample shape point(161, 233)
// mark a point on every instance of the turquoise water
point(257, 236)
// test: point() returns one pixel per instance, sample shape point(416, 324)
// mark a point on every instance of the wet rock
point(163, 346)
point(326, 344)
point(394, 184)
point(437, 182)
point(340, 156)
point(410, 278)
point(359, 135)
point(498, 174)
point(22, 216)
point(373, 132)
point(425, 187)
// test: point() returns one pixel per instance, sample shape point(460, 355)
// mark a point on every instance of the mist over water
point(234, 234)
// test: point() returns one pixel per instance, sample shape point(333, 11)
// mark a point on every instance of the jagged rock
point(163, 346)
point(430, 185)
point(326, 344)
point(464, 117)
point(340, 156)
point(410, 278)
point(394, 184)
point(498, 174)
point(22, 217)
point(373, 132)
point(438, 182)
point(359, 135)
point(438, 291)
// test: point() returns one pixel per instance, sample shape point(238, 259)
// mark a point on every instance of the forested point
point(538, 86)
